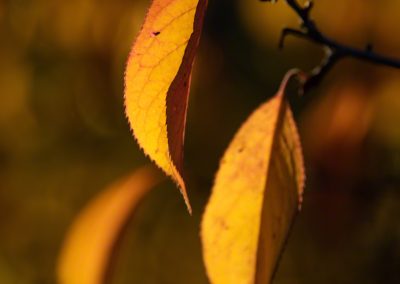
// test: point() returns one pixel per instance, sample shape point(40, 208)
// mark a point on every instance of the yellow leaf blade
point(256, 193)
point(157, 81)
point(282, 197)
point(88, 246)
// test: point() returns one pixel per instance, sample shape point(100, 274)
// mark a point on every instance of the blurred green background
point(64, 137)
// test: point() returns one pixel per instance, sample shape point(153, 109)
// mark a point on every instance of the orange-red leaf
point(157, 81)
point(88, 246)
point(256, 193)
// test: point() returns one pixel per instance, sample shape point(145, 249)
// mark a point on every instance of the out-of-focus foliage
point(63, 137)
point(88, 248)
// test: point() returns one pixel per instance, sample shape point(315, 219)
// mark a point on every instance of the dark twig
point(334, 51)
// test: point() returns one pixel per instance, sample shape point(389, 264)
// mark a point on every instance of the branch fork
point(334, 51)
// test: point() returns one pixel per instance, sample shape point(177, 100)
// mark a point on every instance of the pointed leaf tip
point(157, 81)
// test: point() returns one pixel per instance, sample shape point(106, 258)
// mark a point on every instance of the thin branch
point(335, 51)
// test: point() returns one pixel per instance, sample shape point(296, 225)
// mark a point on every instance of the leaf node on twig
point(334, 51)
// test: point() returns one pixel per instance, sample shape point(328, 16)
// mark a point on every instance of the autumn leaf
point(256, 194)
point(157, 81)
point(87, 249)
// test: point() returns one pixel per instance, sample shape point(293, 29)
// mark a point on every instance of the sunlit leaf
point(256, 194)
point(158, 78)
point(87, 249)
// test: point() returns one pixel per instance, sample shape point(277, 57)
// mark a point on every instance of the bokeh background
point(64, 137)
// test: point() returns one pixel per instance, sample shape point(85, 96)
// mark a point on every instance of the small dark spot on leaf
point(240, 150)
point(156, 33)
point(222, 223)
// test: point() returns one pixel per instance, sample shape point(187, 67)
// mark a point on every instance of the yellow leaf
point(256, 194)
point(86, 252)
point(157, 81)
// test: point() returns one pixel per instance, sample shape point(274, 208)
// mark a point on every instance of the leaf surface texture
point(157, 81)
point(256, 194)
